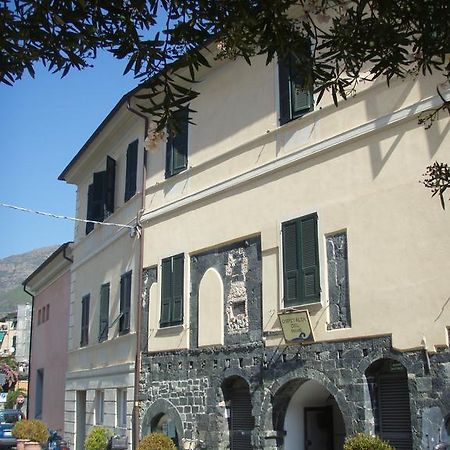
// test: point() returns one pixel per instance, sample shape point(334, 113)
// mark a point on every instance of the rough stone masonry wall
point(190, 382)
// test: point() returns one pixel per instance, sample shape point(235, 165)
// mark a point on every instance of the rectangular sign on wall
point(296, 326)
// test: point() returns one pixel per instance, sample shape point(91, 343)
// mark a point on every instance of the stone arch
point(277, 394)
point(157, 409)
point(210, 309)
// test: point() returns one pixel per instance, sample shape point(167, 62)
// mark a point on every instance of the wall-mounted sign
point(296, 326)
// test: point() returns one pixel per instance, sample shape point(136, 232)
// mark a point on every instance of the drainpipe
point(137, 364)
point(29, 348)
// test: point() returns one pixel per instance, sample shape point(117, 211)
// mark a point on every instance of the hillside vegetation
point(14, 270)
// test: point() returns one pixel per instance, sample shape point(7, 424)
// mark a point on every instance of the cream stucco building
point(270, 204)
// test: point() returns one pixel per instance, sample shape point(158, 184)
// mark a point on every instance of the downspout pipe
point(137, 364)
point(29, 347)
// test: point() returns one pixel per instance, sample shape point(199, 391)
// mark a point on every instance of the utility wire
point(56, 216)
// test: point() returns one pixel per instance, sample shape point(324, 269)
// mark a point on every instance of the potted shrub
point(97, 438)
point(366, 442)
point(34, 432)
point(156, 441)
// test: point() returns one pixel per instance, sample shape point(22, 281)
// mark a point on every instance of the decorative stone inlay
point(338, 281)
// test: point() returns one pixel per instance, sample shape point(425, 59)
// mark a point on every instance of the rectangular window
point(104, 313)
point(131, 173)
point(300, 261)
point(39, 316)
point(121, 408)
point(125, 303)
point(47, 312)
point(172, 291)
point(295, 99)
point(99, 406)
point(100, 202)
point(39, 393)
point(177, 143)
point(84, 320)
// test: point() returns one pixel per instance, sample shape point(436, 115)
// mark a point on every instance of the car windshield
point(9, 417)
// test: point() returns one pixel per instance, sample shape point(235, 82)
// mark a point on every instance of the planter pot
point(21, 444)
point(31, 445)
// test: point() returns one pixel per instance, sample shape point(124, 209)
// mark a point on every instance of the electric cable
point(57, 216)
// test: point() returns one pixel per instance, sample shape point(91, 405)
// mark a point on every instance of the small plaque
point(296, 326)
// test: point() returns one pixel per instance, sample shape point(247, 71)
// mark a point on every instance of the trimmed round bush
point(33, 430)
point(366, 442)
point(97, 438)
point(156, 441)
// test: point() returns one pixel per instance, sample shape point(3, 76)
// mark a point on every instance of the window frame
point(177, 144)
point(99, 406)
point(84, 335)
point(172, 293)
point(286, 86)
point(104, 312)
point(121, 407)
point(101, 194)
point(125, 302)
point(131, 170)
point(302, 298)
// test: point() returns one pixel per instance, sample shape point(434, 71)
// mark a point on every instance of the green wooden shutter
point(180, 141)
point(284, 91)
point(166, 292)
point(125, 303)
point(89, 213)
point(131, 171)
point(104, 313)
point(177, 144)
point(99, 196)
point(169, 147)
point(309, 250)
point(177, 289)
point(110, 184)
point(291, 269)
point(84, 320)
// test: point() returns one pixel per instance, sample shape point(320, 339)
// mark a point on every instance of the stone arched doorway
point(387, 380)
point(241, 422)
point(308, 416)
point(162, 416)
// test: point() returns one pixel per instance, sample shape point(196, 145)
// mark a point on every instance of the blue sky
point(43, 123)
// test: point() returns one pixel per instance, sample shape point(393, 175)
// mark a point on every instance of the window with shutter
point(131, 170)
point(101, 194)
point(177, 144)
point(172, 291)
point(90, 214)
point(300, 261)
point(125, 303)
point(110, 185)
point(295, 98)
point(104, 313)
point(84, 339)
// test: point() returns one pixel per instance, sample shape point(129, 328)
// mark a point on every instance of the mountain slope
point(14, 270)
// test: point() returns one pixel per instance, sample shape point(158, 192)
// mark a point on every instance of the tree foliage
point(350, 40)
point(164, 43)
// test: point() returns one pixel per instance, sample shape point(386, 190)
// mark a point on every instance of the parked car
point(8, 418)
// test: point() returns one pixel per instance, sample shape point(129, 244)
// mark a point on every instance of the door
point(240, 419)
point(319, 428)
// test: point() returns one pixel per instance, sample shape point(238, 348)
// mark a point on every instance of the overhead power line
point(57, 216)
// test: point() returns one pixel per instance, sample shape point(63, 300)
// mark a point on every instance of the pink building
point(49, 285)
